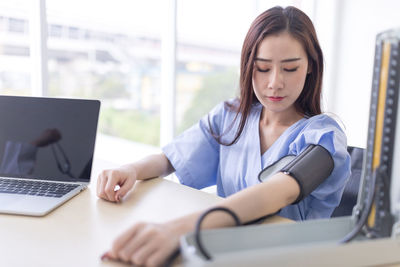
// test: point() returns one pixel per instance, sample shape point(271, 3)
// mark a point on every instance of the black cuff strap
point(198, 224)
point(310, 168)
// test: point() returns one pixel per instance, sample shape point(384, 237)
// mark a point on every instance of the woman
point(277, 114)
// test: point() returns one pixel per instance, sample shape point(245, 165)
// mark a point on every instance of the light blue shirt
point(200, 161)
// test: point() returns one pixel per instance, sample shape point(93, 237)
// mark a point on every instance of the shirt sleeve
point(195, 153)
point(323, 130)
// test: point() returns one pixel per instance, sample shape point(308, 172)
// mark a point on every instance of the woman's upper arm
point(195, 153)
point(326, 132)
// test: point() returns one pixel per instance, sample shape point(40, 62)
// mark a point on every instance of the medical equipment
point(374, 226)
point(308, 178)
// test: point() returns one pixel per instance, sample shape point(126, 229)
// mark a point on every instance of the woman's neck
point(285, 118)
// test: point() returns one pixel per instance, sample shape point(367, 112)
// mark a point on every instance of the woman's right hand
point(107, 181)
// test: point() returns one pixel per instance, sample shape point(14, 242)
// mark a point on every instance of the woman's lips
point(275, 98)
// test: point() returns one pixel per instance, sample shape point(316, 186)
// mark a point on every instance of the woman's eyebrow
point(285, 60)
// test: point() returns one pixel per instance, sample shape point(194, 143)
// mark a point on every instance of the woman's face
point(280, 70)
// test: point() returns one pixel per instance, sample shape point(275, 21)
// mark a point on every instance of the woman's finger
point(124, 188)
point(114, 178)
point(122, 239)
point(103, 182)
point(142, 237)
point(141, 255)
point(160, 256)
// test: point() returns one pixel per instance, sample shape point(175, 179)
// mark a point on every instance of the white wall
point(347, 30)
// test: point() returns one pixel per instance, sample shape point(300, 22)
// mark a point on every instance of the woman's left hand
point(145, 244)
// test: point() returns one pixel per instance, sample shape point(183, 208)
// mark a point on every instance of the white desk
point(78, 232)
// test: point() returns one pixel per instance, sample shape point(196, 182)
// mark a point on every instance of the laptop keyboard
point(35, 188)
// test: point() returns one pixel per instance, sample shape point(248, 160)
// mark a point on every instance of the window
point(109, 50)
point(14, 48)
point(210, 36)
point(208, 54)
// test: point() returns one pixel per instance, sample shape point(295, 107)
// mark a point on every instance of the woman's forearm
point(249, 204)
point(156, 165)
point(264, 198)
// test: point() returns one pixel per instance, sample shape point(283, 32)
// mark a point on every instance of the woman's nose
point(275, 80)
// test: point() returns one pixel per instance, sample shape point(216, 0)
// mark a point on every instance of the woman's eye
point(262, 70)
point(291, 70)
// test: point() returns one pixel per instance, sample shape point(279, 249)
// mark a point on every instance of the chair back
point(349, 198)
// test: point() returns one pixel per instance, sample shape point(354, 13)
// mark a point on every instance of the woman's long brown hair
point(274, 21)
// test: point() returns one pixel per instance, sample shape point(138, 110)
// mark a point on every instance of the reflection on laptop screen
point(47, 138)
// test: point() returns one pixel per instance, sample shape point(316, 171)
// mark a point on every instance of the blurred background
point(158, 66)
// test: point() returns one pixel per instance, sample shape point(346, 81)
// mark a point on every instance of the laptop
point(46, 151)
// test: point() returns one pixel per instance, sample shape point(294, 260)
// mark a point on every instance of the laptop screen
point(47, 138)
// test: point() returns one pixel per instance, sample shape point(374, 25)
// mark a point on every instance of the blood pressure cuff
point(310, 168)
